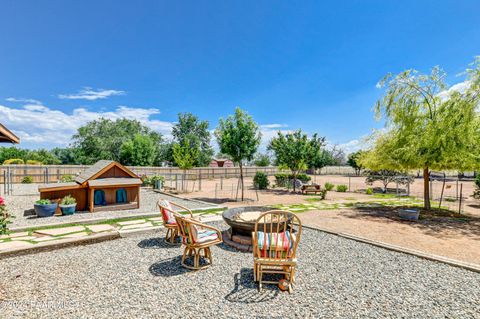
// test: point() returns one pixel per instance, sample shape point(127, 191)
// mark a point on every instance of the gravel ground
point(141, 277)
point(25, 196)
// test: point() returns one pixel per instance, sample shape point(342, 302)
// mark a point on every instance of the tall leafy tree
point(428, 125)
point(139, 151)
point(190, 128)
point(103, 138)
point(320, 157)
point(353, 161)
point(295, 150)
point(239, 137)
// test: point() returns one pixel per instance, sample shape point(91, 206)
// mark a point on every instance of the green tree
point(7, 153)
point(295, 150)
point(428, 126)
point(185, 156)
point(261, 160)
point(66, 155)
point(320, 157)
point(239, 137)
point(139, 151)
point(44, 156)
point(190, 128)
point(353, 161)
point(103, 139)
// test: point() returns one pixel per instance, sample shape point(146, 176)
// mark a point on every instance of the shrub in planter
point(261, 180)
point(68, 205)
point(329, 186)
point(156, 181)
point(45, 208)
point(27, 180)
point(342, 188)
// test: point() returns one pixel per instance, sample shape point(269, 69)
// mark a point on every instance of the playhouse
point(105, 186)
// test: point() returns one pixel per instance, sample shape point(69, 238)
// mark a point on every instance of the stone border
point(60, 243)
point(417, 253)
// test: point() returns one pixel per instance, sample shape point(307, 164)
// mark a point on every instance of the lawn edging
point(413, 252)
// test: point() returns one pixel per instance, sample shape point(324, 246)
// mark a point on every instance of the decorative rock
point(100, 228)
point(60, 231)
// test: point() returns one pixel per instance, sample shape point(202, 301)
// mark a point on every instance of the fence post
point(349, 183)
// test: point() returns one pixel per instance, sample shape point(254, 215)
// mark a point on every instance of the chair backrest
point(167, 211)
point(184, 229)
point(277, 234)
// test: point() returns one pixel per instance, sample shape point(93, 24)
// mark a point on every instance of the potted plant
point(45, 207)
point(68, 205)
point(409, 214)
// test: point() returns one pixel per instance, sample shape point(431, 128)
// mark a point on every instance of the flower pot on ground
point(45, 208)
point(68, 205)
point(409, 214)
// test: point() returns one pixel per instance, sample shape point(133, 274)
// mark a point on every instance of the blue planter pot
point(45, 210)
point(409, 214)
point(68, 209)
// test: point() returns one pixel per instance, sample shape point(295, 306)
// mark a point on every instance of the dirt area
point(455, 238)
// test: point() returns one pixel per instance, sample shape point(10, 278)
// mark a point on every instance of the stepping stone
point(156, 219)
point(60, 231)
point(76, 235)
point(100, 228)
point(132, 222)
point(14, 244)
point(24, 238)
point(134, 226)
point(12, 235)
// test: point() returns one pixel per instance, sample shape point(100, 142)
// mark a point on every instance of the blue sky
point(290, 64)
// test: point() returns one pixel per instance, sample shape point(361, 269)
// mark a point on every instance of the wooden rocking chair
point(197, 237)
point(275, 241)
point(168, 217)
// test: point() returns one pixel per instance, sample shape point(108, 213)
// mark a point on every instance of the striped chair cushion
point(275, 245)
point(200, 235)
point(167, 214)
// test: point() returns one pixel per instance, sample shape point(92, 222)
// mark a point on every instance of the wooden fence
point(53, 173)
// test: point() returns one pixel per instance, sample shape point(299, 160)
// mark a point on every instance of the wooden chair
point(197, 237)
point(275, 241)
point(168, 217)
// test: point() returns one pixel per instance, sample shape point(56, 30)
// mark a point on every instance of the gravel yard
point(25, 196)
point(141, 277)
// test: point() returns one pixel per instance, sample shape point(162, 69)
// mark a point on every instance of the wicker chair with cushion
point(275, 241)
point(168, 217)
point(197, 237)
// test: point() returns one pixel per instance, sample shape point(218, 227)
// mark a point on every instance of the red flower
point(2, 201)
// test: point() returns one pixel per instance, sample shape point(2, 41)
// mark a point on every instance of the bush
point(13, 161)
point(329, 186)
point(369, 191)
point(43, 202)
point(68, 200)
point(34, 162)
point(27, 180)
point(67, 179)
point(4, 217)
point(281, 179)
point(302, 177)
point(261, 180)
point(342, 188)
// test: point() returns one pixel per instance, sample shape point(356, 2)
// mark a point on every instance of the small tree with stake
point(185, 156)
point(239, 137)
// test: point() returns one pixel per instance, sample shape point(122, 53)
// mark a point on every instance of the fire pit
point(242, 223)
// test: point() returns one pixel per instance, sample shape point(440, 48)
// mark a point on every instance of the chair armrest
point(183, 207)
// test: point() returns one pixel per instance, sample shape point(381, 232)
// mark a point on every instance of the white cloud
point(459, 87)
point(91, 94)
point(41, 126)
point(22, 100)
point(273, 126)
